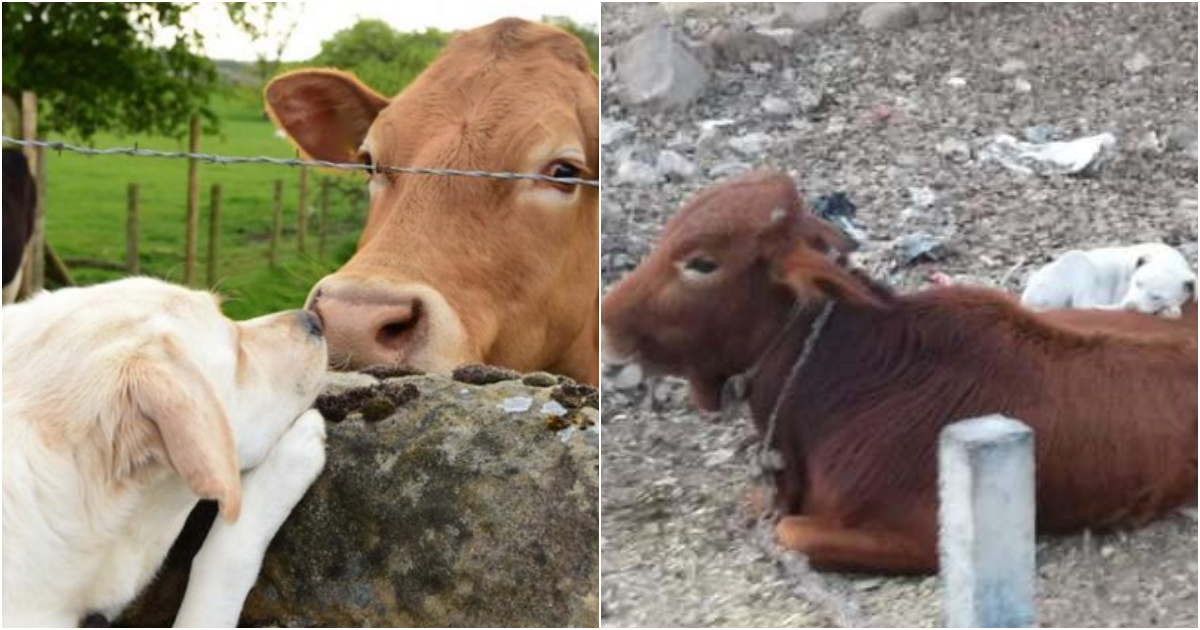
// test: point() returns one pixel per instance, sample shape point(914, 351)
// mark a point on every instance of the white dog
point(1149, 278)
point(124, 404)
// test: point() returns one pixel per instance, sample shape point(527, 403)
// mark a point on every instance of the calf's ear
point(326, 112)
point(168, 405)
point(814, 276)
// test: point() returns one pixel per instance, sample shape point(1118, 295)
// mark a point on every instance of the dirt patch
point(893, 129)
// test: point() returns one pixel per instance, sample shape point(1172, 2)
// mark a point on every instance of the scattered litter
point(922, 196)
point(956, 82)
point(553, 408)
point(954, 150)
point(940, 278)
point(1040, 133)
point(1082, 156)
point(1022, 86)
point(837, 208)
point(516, 404)
point(918, 247)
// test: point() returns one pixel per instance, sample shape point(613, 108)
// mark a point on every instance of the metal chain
point(134, 151)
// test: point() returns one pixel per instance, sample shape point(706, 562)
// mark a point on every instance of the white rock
point(1022, 86)
point(888, 16)
point(807, 16)
point(750, 145)
point(1138, 62)
point(674, 166)
point(634, 172)
point(658, 73)
point(629, 377)
point(956, 82)
point(516, 404)
point(613, 131)
point(1013, 66)
point(775, 106)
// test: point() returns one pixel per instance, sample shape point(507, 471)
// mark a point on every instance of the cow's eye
point(562, 169)
point(702, 265)
point(365, 158)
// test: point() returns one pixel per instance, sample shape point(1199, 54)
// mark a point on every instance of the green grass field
point(86, 210)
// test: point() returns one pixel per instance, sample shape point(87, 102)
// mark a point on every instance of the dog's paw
point(301, 450)
point(1171, 312)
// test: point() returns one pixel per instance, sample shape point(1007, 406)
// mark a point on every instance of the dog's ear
point(169, 406)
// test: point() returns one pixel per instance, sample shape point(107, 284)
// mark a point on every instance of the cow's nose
point(365, 327)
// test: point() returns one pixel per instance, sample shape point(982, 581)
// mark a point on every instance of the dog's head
point(1161, 284)
point(153, 377)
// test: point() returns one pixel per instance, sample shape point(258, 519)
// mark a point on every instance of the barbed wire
point(210, 158)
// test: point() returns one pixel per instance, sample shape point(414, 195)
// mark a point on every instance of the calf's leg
point(829, 546)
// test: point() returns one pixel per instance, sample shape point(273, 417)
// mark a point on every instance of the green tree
point(382, 57)
point(95, 66)
point(587, 35)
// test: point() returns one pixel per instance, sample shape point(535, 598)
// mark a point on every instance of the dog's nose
point(310, 321)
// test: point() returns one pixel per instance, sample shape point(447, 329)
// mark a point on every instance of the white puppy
point(124, 404)
point(1149, 278)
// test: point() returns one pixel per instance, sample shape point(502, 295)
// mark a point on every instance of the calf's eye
point(702, 265)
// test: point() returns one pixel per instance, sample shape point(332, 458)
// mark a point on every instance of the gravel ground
point(676, 546)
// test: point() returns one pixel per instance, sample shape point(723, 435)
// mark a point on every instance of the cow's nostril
point(395, 333)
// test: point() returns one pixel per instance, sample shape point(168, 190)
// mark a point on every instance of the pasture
point(86, 210)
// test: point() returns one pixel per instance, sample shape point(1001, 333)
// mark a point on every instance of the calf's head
point(455, 269)
point(721, 281)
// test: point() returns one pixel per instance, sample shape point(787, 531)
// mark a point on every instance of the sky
point(318, 20)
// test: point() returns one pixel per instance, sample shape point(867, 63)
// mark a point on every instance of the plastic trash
point(1082, 156)
point(837, 209)
point(918, 247)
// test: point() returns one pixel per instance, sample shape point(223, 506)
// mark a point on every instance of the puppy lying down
point(126, 403)
point(1149, 278)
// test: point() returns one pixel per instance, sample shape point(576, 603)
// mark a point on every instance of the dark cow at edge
point(453, 270)
point(1110, 395)
point(20, 202)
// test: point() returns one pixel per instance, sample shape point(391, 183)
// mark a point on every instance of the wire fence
point(210, 158)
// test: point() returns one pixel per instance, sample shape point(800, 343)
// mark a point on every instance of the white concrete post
point(986, 514)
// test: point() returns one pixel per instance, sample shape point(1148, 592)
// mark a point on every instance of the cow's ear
point(167, 406)
point(326, 112)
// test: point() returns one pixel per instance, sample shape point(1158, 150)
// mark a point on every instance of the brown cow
point(1111, 396)
point(451, 270)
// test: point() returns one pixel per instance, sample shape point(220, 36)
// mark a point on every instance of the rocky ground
point(896, 111)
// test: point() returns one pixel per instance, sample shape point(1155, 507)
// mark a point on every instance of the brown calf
point(1110, 395)
point(452, 270)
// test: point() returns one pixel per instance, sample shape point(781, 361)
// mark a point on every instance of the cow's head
point(718, 285)
point(454, 269)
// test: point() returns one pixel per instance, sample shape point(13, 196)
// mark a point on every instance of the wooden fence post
point(276, 222)
point(193, 203)
point(324, 219)
point(34, 278)
point(132, 264)
point(986, 513)
point(214, 234)
point(302, 211)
